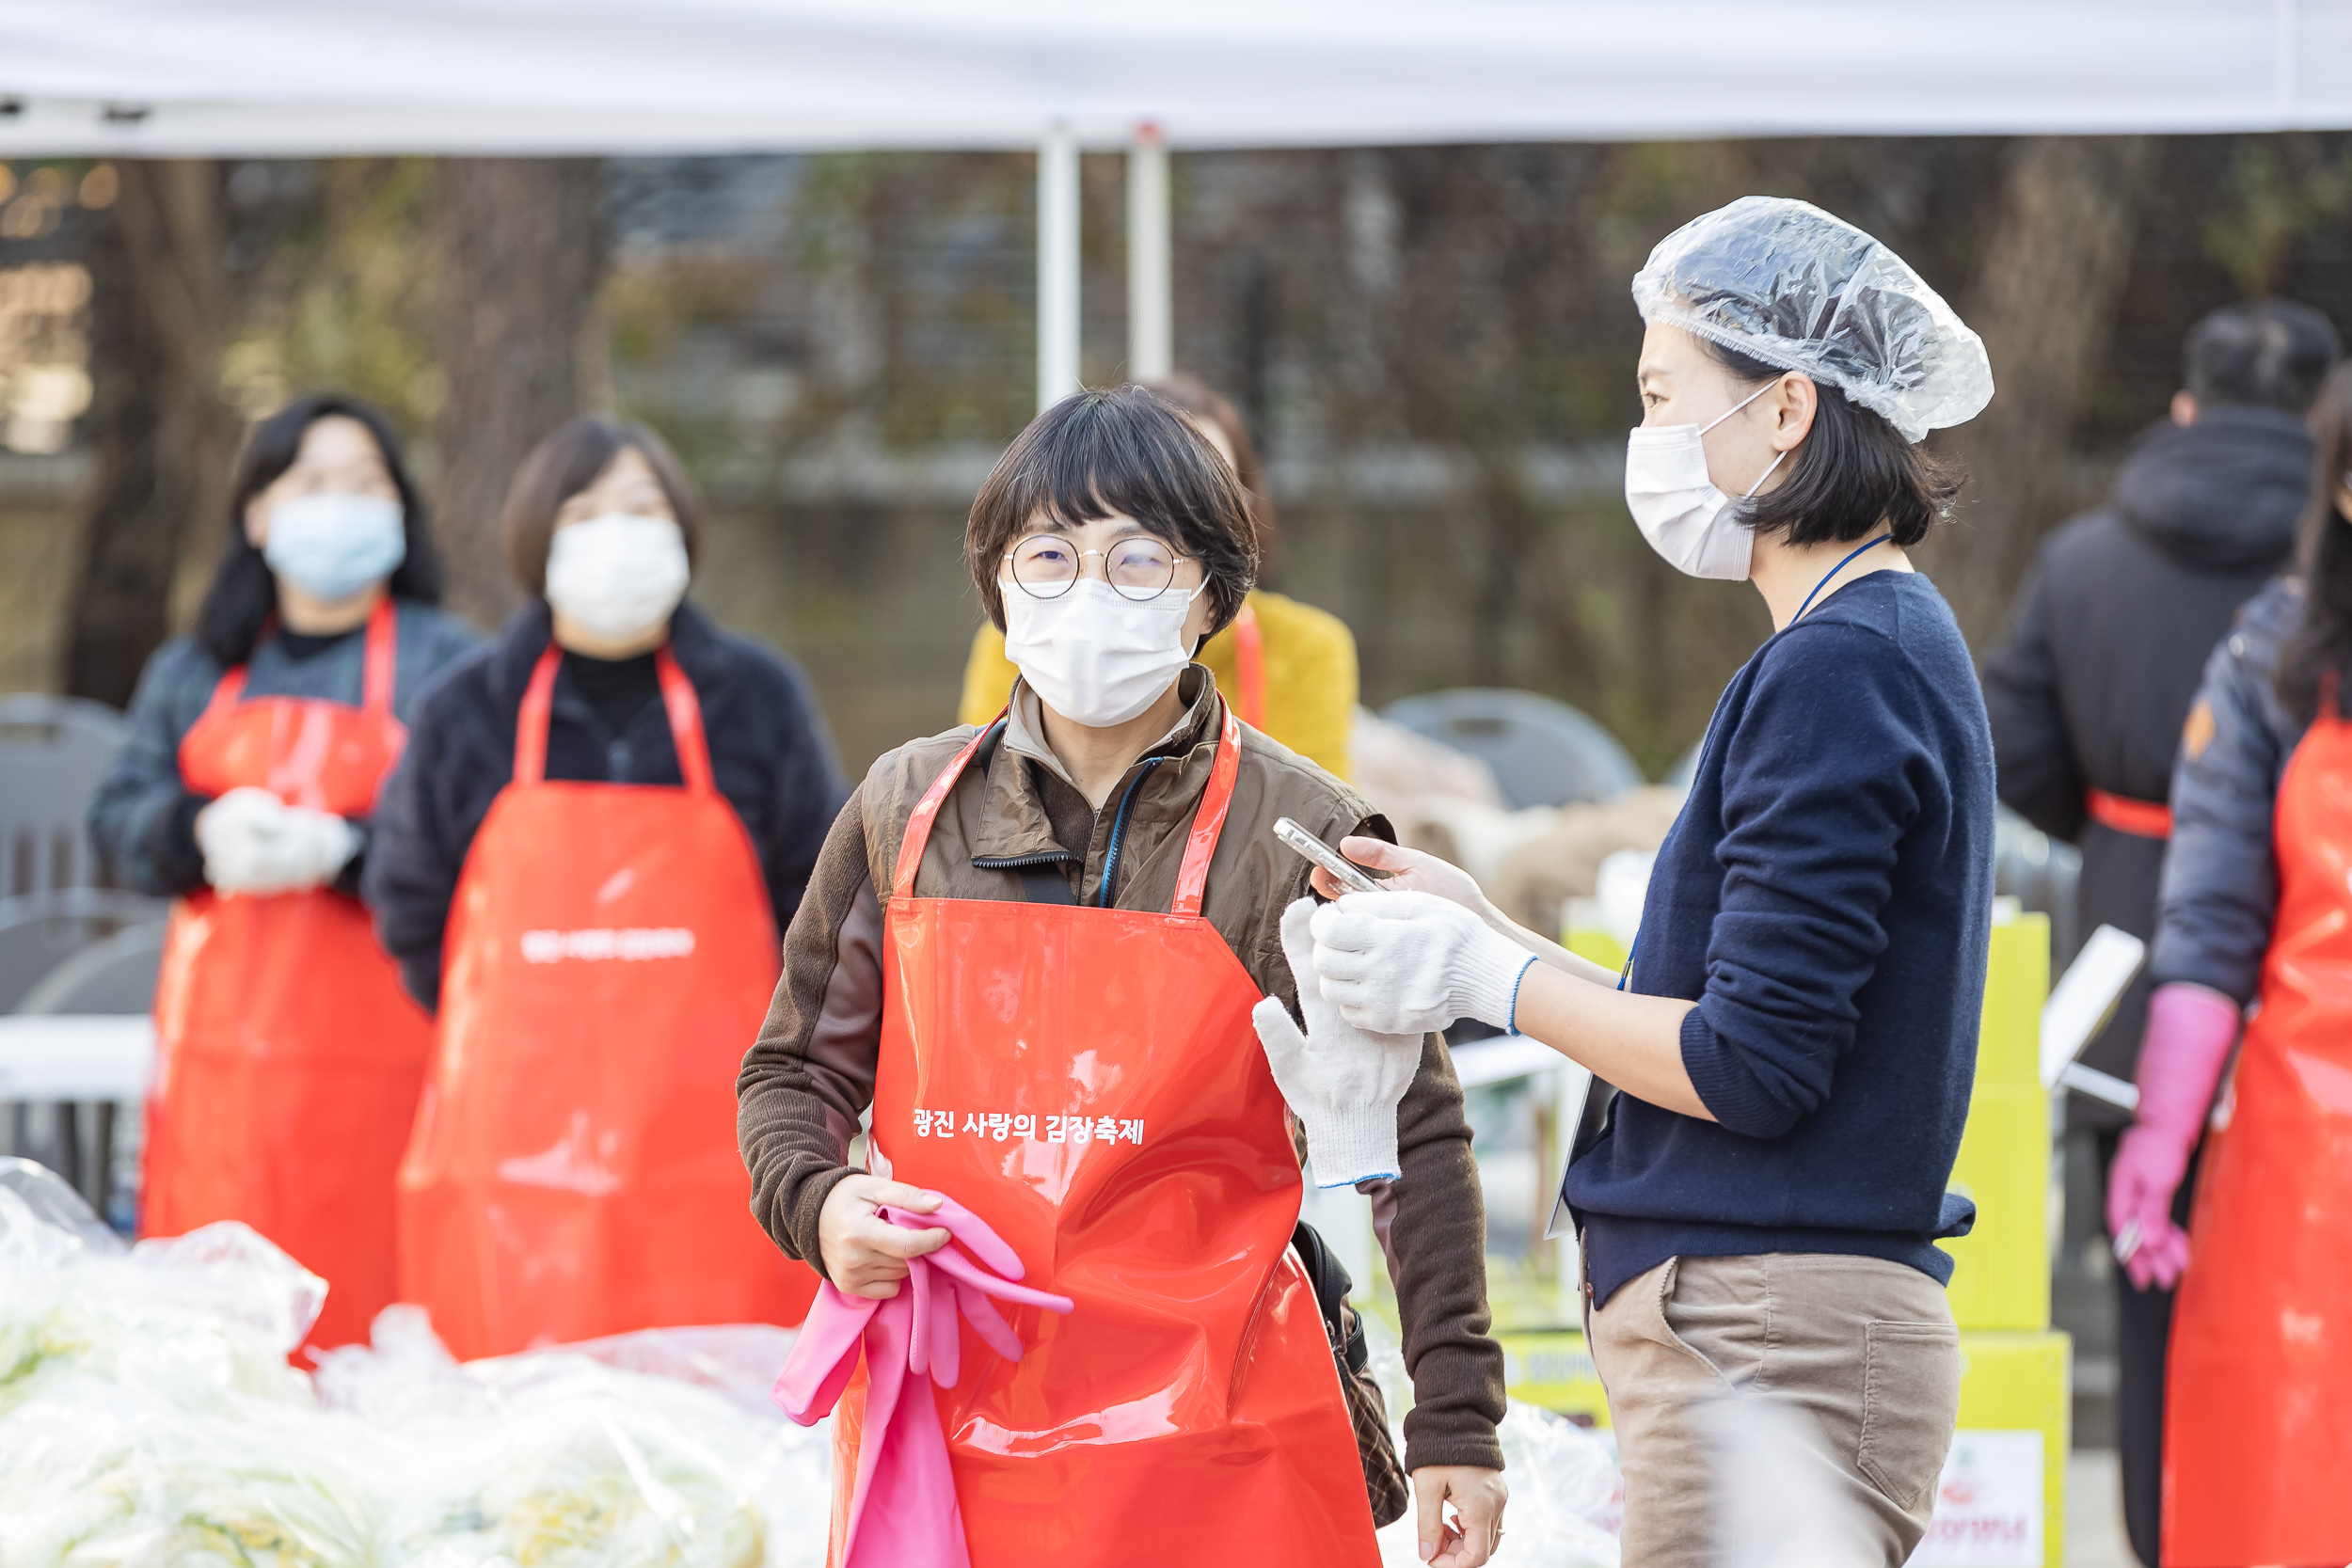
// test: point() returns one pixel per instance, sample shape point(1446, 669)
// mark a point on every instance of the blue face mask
point(333, 546)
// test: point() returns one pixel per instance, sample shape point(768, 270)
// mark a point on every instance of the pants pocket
point(1910, 1404)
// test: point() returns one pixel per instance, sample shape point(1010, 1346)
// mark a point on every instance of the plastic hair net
point(1784, 282)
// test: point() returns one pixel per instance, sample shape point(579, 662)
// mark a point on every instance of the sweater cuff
point(803, 1209)
point(1724, 1083)
point(1479, 1450)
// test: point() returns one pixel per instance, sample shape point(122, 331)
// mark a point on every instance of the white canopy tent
point(297, 77)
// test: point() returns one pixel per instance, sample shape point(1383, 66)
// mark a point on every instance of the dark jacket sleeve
point(809, 1077)
point(2040, 776)
point(415, 847)
point(1432, 1222)
point(1816, 800)
point(2220, 883)
point(142, 820)
point(809, 790)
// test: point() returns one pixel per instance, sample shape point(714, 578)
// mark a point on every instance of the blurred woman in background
point(289, 1062)
point(605, 819)
point(1289, 668)
point(2255, 906)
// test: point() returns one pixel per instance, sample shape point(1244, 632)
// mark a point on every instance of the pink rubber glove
point(2190, 1031)
point(902, 1511)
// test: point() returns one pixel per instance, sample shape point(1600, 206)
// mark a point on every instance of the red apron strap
point(677, 701)
point(918, 832)
point(227, 690)
point(686, 723)
point(531, 720)
point(1249, 665)
point(382, 657)
point(2139, 818)
point(1192, 877)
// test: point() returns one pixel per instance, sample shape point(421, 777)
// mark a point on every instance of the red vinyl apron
point(288, 1058)
point(611, 952)
point(1088, 1080)
point(2258, 1406)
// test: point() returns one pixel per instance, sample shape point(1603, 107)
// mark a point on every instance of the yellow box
point(2001, 1273)
point(1591, 942)
point(2016, 983)
point(2001, 1268)
point(1554, 1369)
point(2016, 1387)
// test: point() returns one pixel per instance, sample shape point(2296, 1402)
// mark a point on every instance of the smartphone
point(1345, 871)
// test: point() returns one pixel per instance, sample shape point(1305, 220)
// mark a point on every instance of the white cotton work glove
point(1412, 962)
point(253, 842)
point(1343, 1082)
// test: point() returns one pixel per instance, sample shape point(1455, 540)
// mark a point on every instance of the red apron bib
point(288, 1058)
point(1088, 1080)
point(611, 957)
point(2258, 1407)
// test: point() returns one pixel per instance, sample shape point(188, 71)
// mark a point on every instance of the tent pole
point(1056, 265)
point(1151, 280)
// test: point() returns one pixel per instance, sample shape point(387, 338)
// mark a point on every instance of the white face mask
point(618, 575)
point(1678, 508)
point(1095, 656)
point(333, 546)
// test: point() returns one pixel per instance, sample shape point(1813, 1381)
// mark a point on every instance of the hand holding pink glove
point(2190, 1029)
point(903, 1512)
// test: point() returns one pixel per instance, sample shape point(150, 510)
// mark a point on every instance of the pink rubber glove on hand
point(2190, 1031)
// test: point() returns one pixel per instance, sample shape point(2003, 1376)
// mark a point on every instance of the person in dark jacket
point(2088, 692)
point(770, 752)
point(283, 610)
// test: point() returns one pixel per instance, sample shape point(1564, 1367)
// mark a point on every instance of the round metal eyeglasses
point(1047, 565)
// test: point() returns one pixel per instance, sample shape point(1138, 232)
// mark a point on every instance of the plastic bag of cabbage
point(1567, 1499)
point(149, 1415)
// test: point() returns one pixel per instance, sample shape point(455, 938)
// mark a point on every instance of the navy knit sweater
point(1826, 898)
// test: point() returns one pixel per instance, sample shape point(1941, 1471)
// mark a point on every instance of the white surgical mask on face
point(618, 575)
point(1678, 507)
point(333, 546)
point(1095, 656)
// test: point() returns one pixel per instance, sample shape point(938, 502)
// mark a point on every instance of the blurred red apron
point(288, 1058)
point(1088, 1080)
point(2258, 1407)
point(611, 956)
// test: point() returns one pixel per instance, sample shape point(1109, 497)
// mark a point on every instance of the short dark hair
point(2271, 354)
point(1122, 451)
point(1852, 475)
point(1202, 402)
point(243, 592)
point(2321, 648)
point(566, 462)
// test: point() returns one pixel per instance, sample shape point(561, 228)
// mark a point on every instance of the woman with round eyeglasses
point(1048, 960)
point(1288, 668)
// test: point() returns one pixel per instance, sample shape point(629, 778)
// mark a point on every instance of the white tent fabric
point(321, 76)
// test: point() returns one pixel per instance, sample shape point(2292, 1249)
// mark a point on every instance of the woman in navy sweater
point(1795, 1036)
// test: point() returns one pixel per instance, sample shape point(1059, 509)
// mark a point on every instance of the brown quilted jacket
point(810, 1076)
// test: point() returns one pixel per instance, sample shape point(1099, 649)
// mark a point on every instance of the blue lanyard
point(1873, 544)
point(1627, 973)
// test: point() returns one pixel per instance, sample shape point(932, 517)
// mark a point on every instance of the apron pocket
point(1909, 1403)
